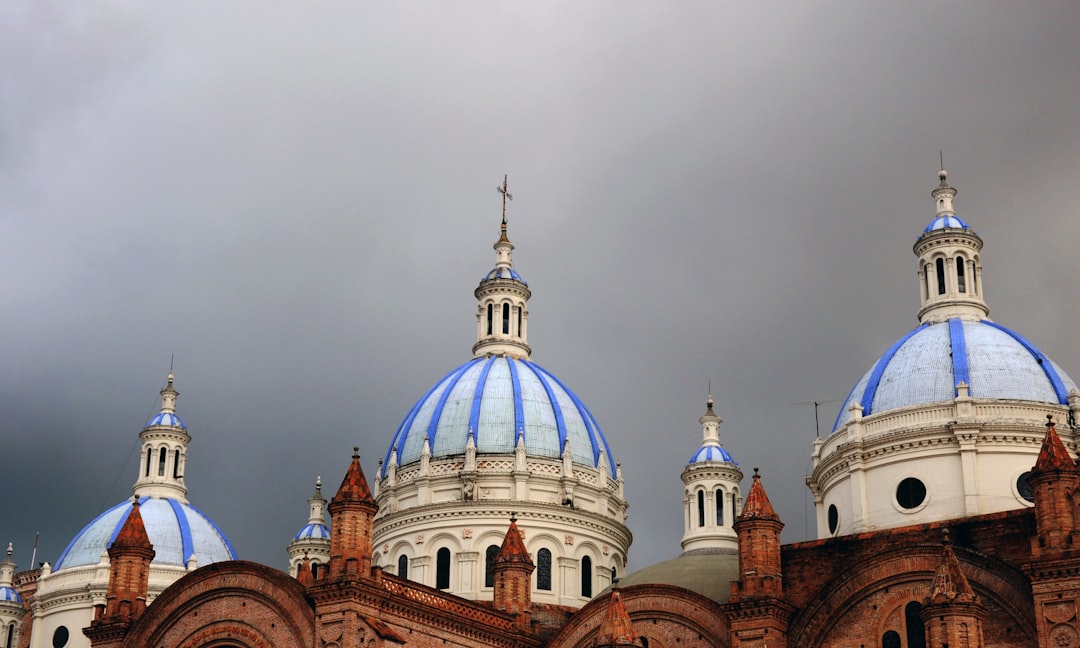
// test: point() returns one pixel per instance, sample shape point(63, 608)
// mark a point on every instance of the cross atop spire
point(506, 195)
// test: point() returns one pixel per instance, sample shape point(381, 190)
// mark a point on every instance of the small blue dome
point(504, 273)
point(711, 453)
point(176, 530)
point(314, 531)
point(925, 366)
point(496, 397)
point(166, 418)
point(9, 594)
point(946, 221)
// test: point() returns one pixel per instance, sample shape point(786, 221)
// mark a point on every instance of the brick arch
point(666, 614)
point(991, 580)
point(233, 603)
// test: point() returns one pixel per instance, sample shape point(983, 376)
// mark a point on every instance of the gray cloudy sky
point(298, 201)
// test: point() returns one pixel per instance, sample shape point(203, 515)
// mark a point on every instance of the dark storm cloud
point(298, 204)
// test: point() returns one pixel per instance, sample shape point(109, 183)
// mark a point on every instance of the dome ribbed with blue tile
point(711, 453)
point(946, 221)
point(169, 419)
point(9, 594)
point(504, 273)
point(177, 530)
point(924, 367)
point(496, 398)
point(316, 531)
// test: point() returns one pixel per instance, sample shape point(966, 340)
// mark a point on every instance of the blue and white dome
point(504, 273)
point(9, 594)
point(497, 397)
point(925, 366)
point(177, 530)
point(313, 531)
point(946, 221)
point(169, 419)
point(711, 453)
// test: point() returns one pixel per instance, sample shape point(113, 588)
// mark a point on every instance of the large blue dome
point(925, 366)
point(177, 531)
point(496, 397)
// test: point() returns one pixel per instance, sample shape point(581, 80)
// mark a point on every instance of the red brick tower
point(1055, 554)
point(617, 630)
point(351, 513)
point(952, 613)
point(129, 581)
point(1053, 482)
point(758, 613)
point(513, 576)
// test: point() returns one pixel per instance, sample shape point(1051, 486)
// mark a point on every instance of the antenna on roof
point(816, 404)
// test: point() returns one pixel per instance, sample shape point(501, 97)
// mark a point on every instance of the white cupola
point(313, 539)
point(11, 603)
point(950, 273)
point(711, 497)
point(502, 312)
point(164, 451)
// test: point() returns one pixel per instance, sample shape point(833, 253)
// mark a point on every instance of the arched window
point(489, 565)
point(960, 283)
point(314, 569)
point(519, 321)
point(613, 574)
point(490, 309)
point(719, 507)
point(149, 460)
point(543, 570)
point(506, 319)
point(701, 508)
point(162, 455)
point(176, 465)
point(734, 505)
point(403, 566)
point(890, 639)
point(10, 635)
point(916, 630)
point(586, 577)
point(442, 569)
point(939, 266)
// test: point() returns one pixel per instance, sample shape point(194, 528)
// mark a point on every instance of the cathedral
point(945, 499)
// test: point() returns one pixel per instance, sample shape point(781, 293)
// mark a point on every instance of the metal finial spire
point(505, 191)
point(941, 159)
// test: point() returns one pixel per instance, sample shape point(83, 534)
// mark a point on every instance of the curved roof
point(708, 572)
point(177, 531)
point(496, 398)
point(711, 453)
point(946, 221)
point(925, 365)
point(166, 418)
point(503, 273)
point(314, 531)
point(9, 594)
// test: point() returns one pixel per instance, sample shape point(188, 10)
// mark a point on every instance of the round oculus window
point(1023, 487)
point(834, 519)
point(60, 637)
point(910, 493)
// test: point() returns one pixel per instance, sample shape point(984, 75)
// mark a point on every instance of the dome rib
point(519, 407)
point(185, 530)
point(436, 416)
point(959, 354)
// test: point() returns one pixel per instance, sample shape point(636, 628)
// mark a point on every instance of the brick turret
point(617, 630)
point(758, 613)
point(513, 576)
point(1053, 483)
point(952, 612)
point(352, 511)
point(129, 582)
